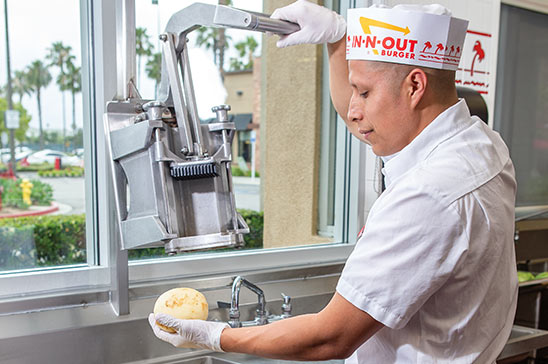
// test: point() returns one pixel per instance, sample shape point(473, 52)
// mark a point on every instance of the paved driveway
point(69, 192)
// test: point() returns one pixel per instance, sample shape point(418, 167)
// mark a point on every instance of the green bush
point(237, 172)
point(17, 248)
point(253, 240)
point(12, 196)
point(40, 241)
point(255, 221)
point(34, 167)
point(56, 240)
point(41, 194)
point(65, 172)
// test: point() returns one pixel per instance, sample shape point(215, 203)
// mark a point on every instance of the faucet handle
point(286, 306)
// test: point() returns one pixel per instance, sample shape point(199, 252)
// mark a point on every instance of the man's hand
point(189, 333)
point(318, 24)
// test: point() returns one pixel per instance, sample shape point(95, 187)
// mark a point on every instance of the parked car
point(79, 152)
point(20, 153)
point(49, 156)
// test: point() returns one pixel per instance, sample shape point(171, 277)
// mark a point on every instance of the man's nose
point(355, 112)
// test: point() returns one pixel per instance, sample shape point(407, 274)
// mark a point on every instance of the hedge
point(34, 167)
point(253, 240)
point(41, 194)
point(65, 172)
point(41, 241)
point(237, 172)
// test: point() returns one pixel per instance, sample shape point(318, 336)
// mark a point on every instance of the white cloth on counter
point(436, 262)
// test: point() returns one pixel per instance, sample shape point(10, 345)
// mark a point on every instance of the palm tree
point(143, 47)
point(19, 84)
point(216, 40)
point(154, 70)
point(38, 78)
point(62, 82)
point(212, 39)
point(207, 38)
point(24, 119)
point(223, 41)
point(74, 85)
point(58, 55)
point(245, 50)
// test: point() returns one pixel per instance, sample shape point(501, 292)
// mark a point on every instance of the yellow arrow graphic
point(366, 23)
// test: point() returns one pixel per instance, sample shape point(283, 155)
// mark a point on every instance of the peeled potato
point(181, 303)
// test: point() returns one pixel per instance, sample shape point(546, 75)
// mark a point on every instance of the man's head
point(392, 103)
point(399, 83)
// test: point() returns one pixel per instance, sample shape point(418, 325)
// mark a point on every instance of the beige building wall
point(239, 88)
point(290, 125)
point(244, 96)
point(257, 78)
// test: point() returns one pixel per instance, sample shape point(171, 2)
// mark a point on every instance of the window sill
point(297, 282)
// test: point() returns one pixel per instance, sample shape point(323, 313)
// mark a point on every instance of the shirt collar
point(444, 126)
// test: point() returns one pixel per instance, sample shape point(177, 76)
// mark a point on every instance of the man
point(433, 277)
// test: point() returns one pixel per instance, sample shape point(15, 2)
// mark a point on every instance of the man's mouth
point(365, 132)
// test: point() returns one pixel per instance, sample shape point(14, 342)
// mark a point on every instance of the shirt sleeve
point(411, 244)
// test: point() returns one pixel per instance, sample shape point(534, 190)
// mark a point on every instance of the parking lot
point(69, 192)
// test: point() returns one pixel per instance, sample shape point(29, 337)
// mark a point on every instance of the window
point(281, 140)
point(522, 99)
point(58, 249)
point(286, 194)
point(42, 221)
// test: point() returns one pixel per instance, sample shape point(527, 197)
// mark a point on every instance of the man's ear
point(415, 82)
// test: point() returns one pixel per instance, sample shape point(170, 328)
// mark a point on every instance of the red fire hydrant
point(57, 163)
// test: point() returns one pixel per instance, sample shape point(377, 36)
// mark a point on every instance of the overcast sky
point(35, 24)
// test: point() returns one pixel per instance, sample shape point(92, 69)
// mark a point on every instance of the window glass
point(522, 100)
point(42, 195)
point(275, 156)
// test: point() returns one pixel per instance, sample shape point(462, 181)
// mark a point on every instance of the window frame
point(506, 90)
point(350, 169)
point(108, 267)
point(95, 273)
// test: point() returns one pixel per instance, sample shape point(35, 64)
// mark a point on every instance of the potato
point(181, 303)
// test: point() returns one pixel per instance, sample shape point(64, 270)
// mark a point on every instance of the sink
point(203, 357)
point(204, 360)
point(301, 305)
point(232, 358)
point(524, 340)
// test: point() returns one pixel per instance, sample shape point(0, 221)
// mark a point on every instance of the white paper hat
point(420, 35)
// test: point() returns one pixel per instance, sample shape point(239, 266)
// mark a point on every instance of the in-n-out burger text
point(388, 46)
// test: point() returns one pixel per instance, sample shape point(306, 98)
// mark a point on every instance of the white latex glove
point(189, 333)
point(318, 24)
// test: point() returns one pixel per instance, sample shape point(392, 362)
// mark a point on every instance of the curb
point(54, 207)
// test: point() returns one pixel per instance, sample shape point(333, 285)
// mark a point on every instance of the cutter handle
point(266, 24)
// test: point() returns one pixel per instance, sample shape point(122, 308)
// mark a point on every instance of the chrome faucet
point(261, 317)
point(286, 306)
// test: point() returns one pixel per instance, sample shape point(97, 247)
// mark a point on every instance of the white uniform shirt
point(436, 262)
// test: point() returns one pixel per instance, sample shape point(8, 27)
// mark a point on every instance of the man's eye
point(364, 94)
